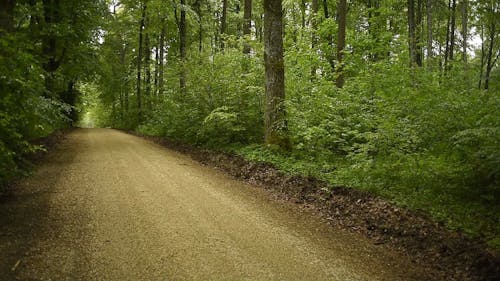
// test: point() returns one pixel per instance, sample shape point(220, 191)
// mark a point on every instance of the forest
point(397, 98)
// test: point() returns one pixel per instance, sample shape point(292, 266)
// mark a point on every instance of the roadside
point(105, 205)
point(450, 253)
point(47, 144)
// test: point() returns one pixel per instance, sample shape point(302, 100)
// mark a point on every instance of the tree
point(430, 52)
point(314, 35)
point(139, 59)
point(275, 124)
point(7, 15)
point(181, 24)
point(464, 30)
point(414, 25)
point(341, 33)
point(223, 24)
point(247, 24)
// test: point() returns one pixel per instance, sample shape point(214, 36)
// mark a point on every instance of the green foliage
point(36, 99)
point(423, 137)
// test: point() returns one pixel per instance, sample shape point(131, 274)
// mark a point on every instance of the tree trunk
point(139, 60)
point(412, 42)
point(157, 65)
point(7, 16)
point(314, 35)
point(303, 14)
point(342, 21)
point(330, 55)
point(247, 24)
point(481, 67)
point(452, 29)
point(182, 48)
point(448, 31)
point(489, 57)
point(197, 7)
point(429, 34)
point(123, 53)
point(49, 42)
point(147, 64)
point(419, 33)
point(161, 59)
point(223, 24)
point(325, 9)
point(464, 31)
point(276, 130)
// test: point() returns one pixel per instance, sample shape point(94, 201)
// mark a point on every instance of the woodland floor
point(106, 205)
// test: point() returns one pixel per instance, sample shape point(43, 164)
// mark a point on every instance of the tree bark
point(481, 67)
point(464, 31)
point(161, 58)
point(342, 21)
point(419, 33)
point(303, 14)
point(182, 48)
point(325, 9)
point(429, 33)
point(276, 130)
point(247, 24)
point(147, 64)
point(197, 7)
point(412, 42)
point(7, 16)
point(452, 29)
point(139, 60)
point(223, 24)
point(330, 55)
point(448, 31)
point(314, 35)
point(489, 56)
point(157, 66)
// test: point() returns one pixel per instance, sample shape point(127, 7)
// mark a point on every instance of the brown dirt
point(450, 255)
point(105, 205)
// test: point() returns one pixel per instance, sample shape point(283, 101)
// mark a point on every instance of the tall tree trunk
point(325, 9)
point(452, 29)
point(247, 24)
point(342, 22)
point(412, 41)
point(197, 8)
point(182, 48)
point(7, 16)
point(314, 35)
point(419, 33)
point(139, 60)
point(430, 54)
point(157, 65)
point(481, 67)
point(147, 64)
point(276, 129)
point(330, 55)
point(448, 32)
point(123, 53)
point(223, 24)
point(489, 57)
point(303, 14)
point(161, 59)
point(49, 43)
point(464, 31)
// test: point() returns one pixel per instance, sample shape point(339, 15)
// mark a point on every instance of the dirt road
point(110, 206)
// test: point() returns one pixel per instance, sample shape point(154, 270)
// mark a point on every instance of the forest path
point(106, 205)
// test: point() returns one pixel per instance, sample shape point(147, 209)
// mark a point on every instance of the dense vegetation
point(46, 49)
point(400, 98)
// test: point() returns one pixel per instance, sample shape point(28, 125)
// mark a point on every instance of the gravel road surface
point(105, 205)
